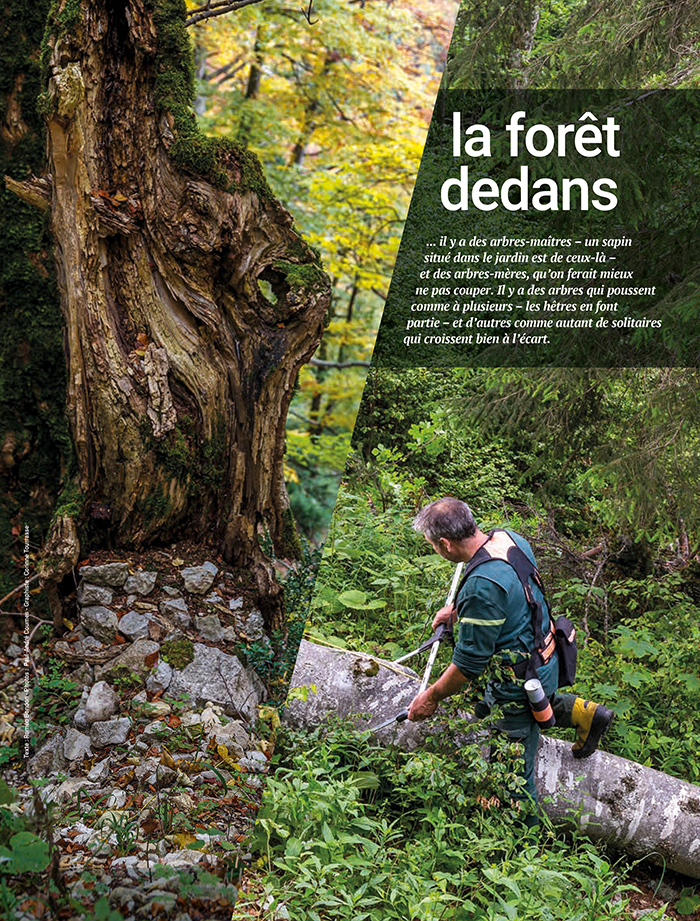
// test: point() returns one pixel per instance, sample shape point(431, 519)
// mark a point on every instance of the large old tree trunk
point(639, 810)
point(181, 364)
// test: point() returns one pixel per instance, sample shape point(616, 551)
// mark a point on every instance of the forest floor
point(147, 762)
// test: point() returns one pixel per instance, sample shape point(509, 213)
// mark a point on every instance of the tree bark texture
point(639, 810)
point(180, 364)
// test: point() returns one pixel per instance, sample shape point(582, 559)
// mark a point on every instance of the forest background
point(598, 469)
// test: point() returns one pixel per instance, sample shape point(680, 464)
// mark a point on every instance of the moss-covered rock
point(177, 653)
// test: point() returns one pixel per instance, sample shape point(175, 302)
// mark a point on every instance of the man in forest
point(496, 622)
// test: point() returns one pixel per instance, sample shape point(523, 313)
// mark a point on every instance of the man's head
point(447, 524)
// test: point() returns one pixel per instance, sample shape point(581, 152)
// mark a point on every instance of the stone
point(110, 575)
point(199, 579)
point(160, 678)
point(127, 898)
point(234, 736)
point(254, 765)
point(76, 745)
point(133, 659)
point(100, 621)
point(214, 598)
point(165, 776)
point(133, 625)
point(49, 758)
point(229, 635)
point(171, 591)
point(99, 772)
point(68, 789)
point(89, 594)
point(91, 644)
point(110, 732)
point(209, 627)
point(143, 771)
point(235, 604)
point(176, 611)
point(252, 625)
point(142, 583)
point(124, 863)
point(80, 720)
point(183, 858)
point(84, 834)
point(116, 799)
point(155, 709)
point(83, 675)
point(102, 703)
point(215, 676)
point(155, 731)
point(13, 651)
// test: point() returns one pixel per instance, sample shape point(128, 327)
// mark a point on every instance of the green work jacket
point(494, 620)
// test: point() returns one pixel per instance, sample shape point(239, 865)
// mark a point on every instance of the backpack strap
point(500, 546)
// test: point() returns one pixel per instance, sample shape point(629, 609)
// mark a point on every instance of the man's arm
point(424, 705)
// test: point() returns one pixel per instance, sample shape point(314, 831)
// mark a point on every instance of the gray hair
point(450, 518)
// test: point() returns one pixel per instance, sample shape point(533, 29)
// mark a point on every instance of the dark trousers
point(519, 725)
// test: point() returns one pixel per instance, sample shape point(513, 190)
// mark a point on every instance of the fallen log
point(638, 810)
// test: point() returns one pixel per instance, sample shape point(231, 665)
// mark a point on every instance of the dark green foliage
point(650, 673)
point(275, 662)
point(574, 43)
point(352, 831)
point(197, 463)
point(32, 364)
point(55, 698)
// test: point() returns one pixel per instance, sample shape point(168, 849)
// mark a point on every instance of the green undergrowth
point(638, 618)
point(351, 831)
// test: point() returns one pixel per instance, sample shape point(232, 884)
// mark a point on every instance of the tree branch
point(18, 589)
point(217, 8)
point(35, 191)
point(319, 363)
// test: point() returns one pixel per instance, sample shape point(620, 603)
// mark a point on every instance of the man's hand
point(445, 615)
point(422, 706)
point(425, 704)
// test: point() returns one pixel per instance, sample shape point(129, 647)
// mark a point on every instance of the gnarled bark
point(180, 367)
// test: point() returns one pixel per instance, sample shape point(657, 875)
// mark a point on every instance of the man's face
point(446, 549)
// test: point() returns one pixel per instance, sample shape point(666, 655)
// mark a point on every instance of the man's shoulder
point(522, 543)
point(497, 571)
